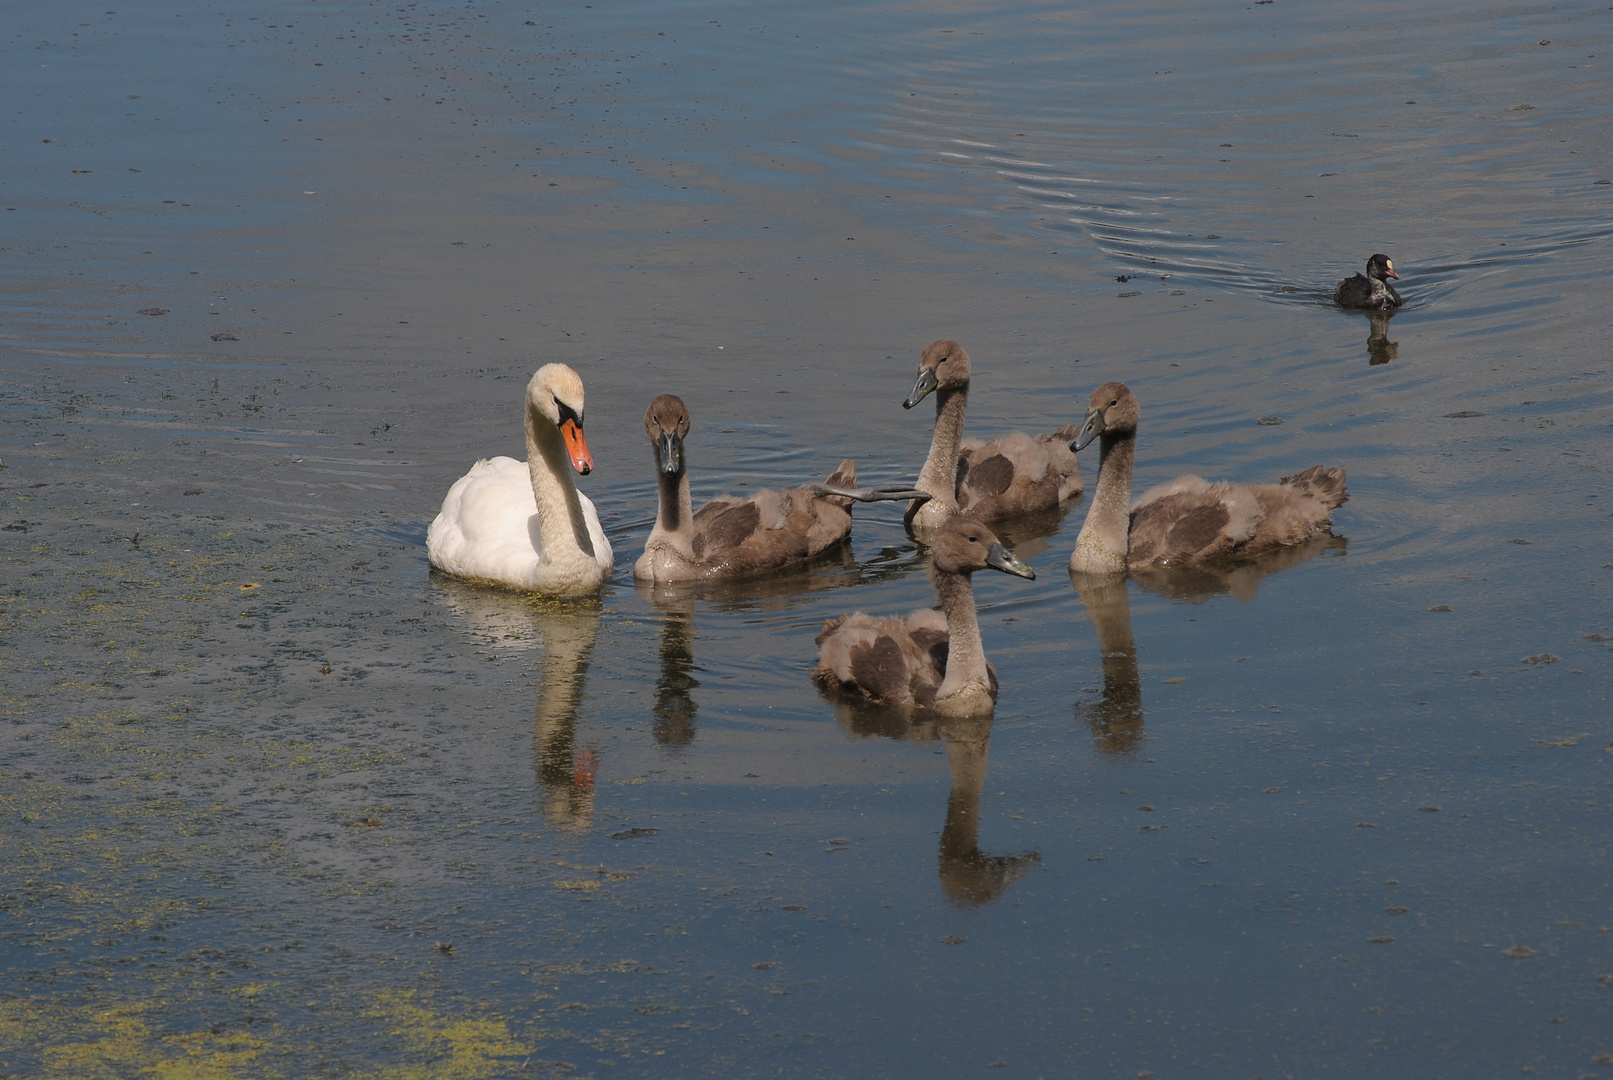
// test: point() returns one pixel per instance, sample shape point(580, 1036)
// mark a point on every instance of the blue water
point(282, 802)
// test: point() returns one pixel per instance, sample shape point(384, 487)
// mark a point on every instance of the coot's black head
point(1380, 267)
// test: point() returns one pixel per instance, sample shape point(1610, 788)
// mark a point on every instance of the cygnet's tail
point(1321, 483)
point(843, 477)
point(829, 627)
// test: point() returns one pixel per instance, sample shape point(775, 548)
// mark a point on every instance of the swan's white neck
point(1101, 548)
point(967, 686)
point(561, 523)
point(939, 477)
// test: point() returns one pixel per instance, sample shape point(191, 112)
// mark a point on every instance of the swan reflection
point(565, 770)
point(969, 877)
point(563, 629)
point(1028, 535)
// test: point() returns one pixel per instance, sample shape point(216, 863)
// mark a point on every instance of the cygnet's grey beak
point(1000, 558)
point(1090, 429)
point(921, 389)
point(670, 446)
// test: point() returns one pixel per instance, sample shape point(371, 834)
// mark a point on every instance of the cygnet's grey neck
point(939, 476)
point(966, 656)
point(1101, 547)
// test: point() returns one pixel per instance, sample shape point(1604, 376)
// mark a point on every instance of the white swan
point(525, 524)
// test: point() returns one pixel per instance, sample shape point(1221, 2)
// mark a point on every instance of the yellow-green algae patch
point(91, 1042)
point(452, 1049)
point(117, 1042)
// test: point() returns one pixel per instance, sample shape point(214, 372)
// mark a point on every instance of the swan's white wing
point(486, 528)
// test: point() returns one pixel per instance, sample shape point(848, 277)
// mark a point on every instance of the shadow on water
point(1116, 717)
point(564, 630)
point(969, 877)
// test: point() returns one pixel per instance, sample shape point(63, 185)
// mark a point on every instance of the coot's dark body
point(1370, 290)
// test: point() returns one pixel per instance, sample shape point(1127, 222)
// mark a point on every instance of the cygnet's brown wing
point(1016, 475)
point(770, 529)
point(822, 520)
point(1189, 521)
point(723, 525)
point(890, 661)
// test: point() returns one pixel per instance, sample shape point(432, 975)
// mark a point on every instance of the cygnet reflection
point(674, 709)
point(969, 877)
point(1115, 717)
point(1240, 580)
point(1028, 535)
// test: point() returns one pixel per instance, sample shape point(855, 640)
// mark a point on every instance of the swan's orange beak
point(577, 446)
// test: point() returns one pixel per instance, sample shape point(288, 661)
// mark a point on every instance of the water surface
point(281, 802)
